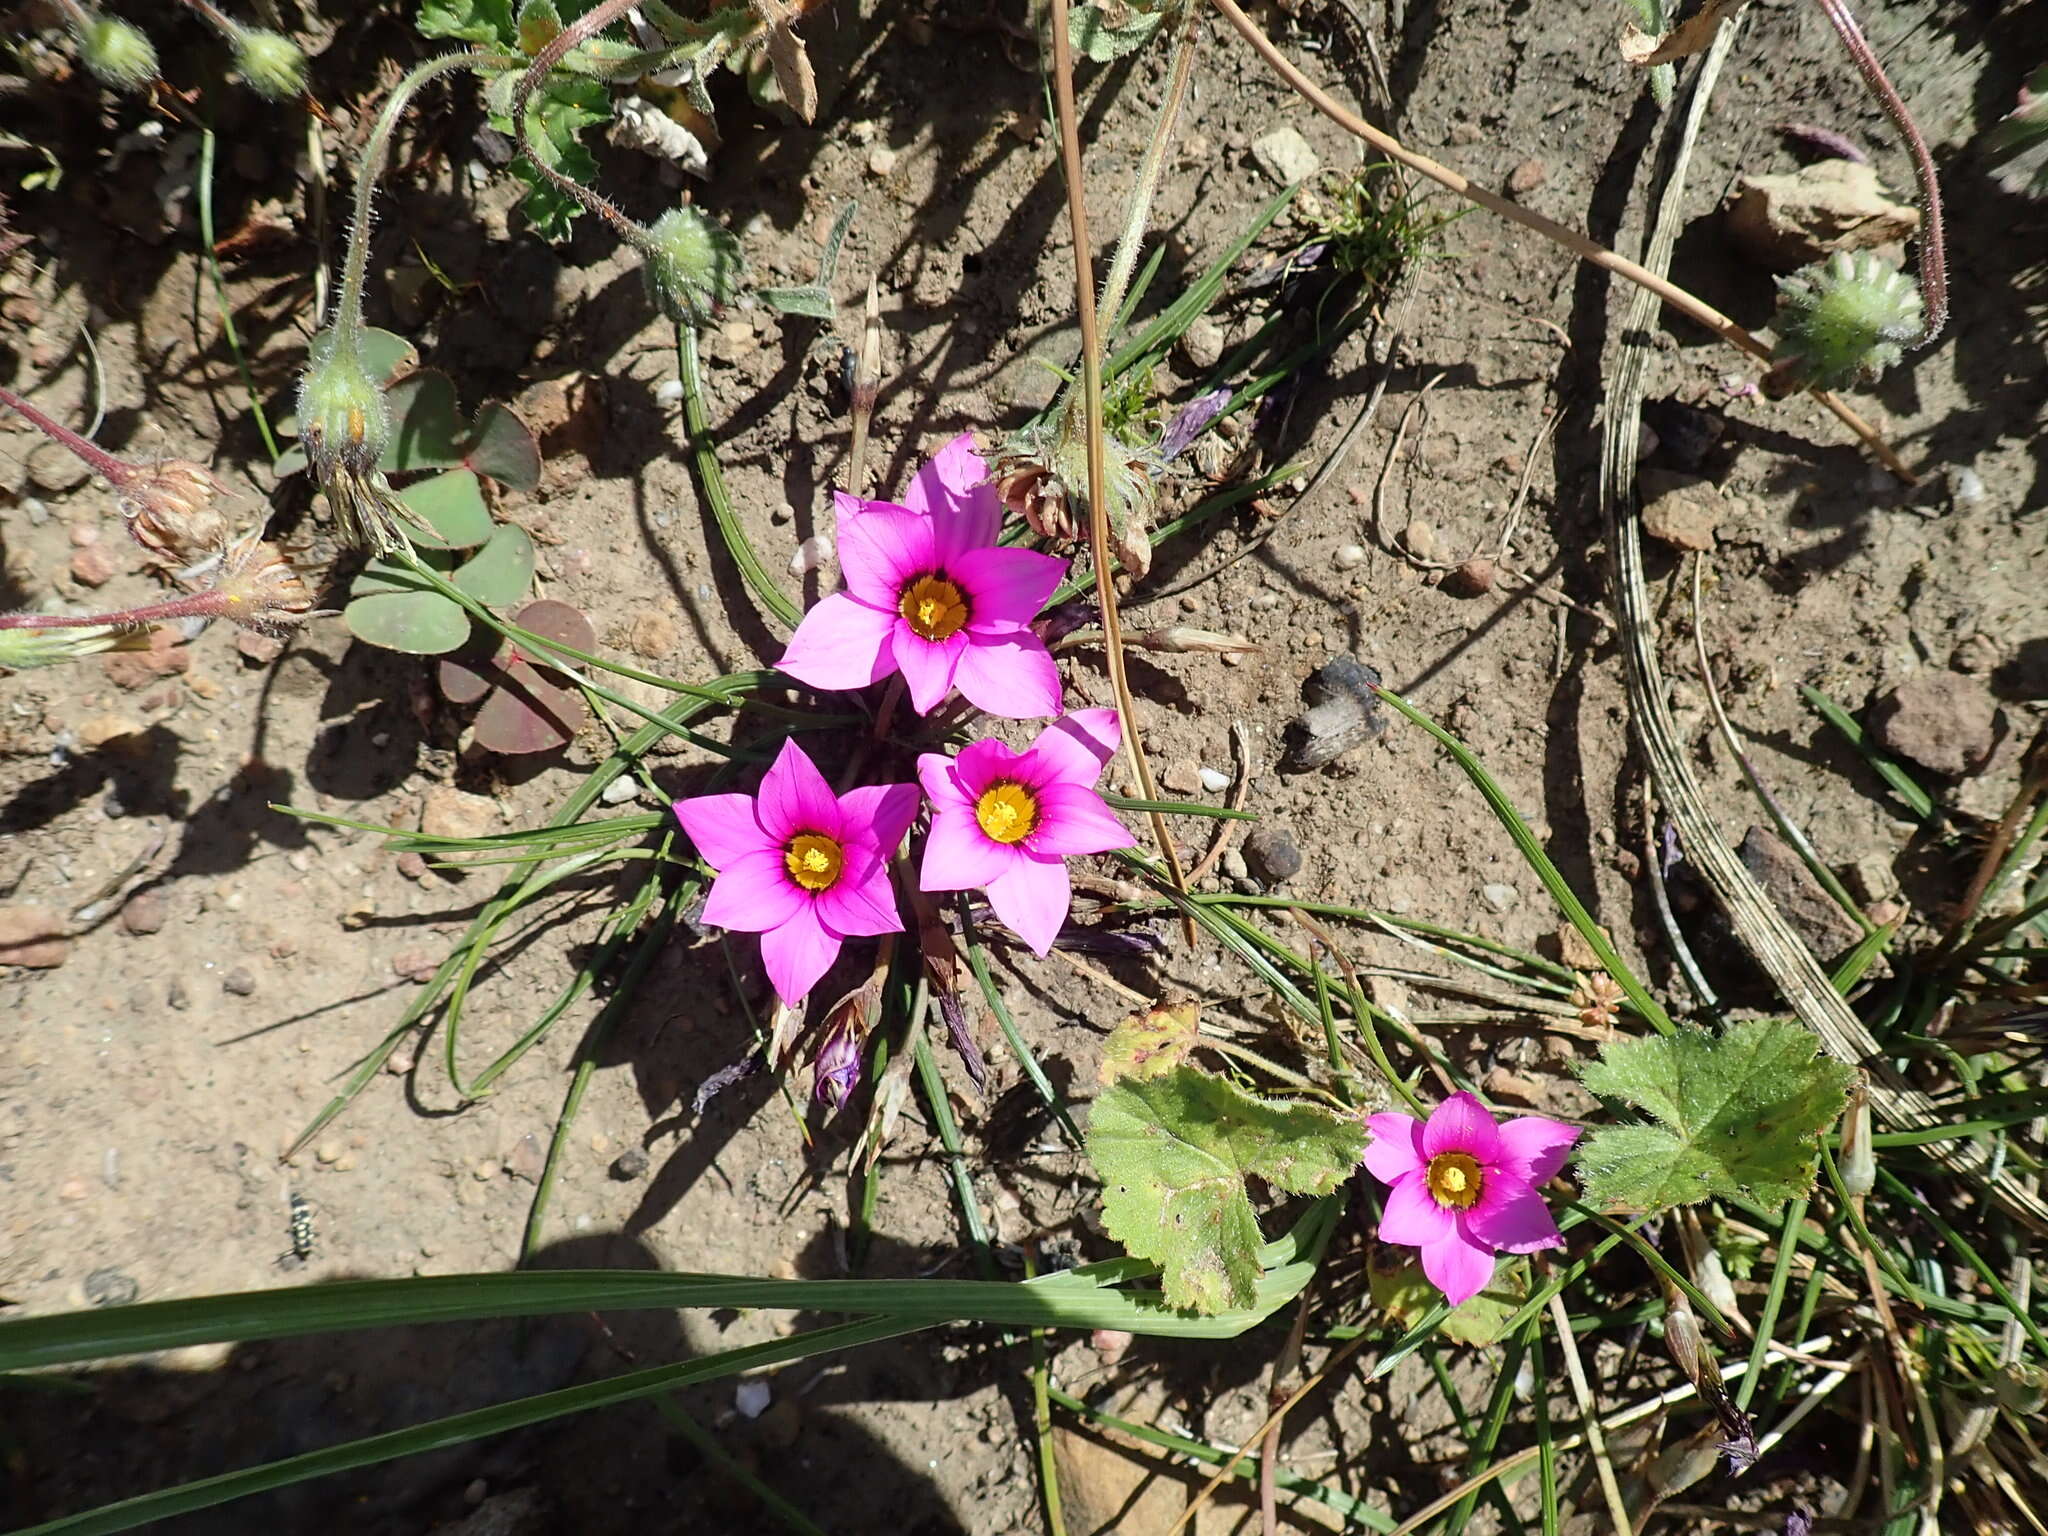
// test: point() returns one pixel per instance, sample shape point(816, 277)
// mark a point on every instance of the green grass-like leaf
point(1739, 1114)
point(1173, 1153)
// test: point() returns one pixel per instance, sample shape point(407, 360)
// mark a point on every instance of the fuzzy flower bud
point(693, 266)
point(343, 419)
point(170, 510)
point(1841, 323)
point(260, 590)
point(270, 64)
point(118, 53)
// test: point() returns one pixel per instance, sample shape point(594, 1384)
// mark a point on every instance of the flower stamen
point(934, 607)
point(814, 861)
point(1455, 1180)
point(1007, 811)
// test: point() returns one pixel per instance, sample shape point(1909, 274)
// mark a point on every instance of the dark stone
point(1271, 854)
point(630, 1164)
point(1343, 713)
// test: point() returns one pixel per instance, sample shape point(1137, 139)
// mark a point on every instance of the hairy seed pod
point(270, 64)
point(343, 419)
point(694, 267)
point(262, 590)
point(172, 511)
point(1840, 323)
point(118, 53)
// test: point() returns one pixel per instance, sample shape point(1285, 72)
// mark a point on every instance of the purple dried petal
point(836, 1067)
point(963, 1041)
point(1823, 142)
point(1065, 619)
point(1190, 422)
point(1799, 1523)
point(721, 1080)
point(1114, 943)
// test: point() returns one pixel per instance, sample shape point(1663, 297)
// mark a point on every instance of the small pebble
point(412, 865)
point(881, 160)
point(752, 1397)
point(1214, 782)
point(145, 912)
point(620, 790)
point(486, 1170)
point(73, 1189)
point(1271, 854)
point(629, 1164)
point(1527, 177)
point(1263, 602)
point(782, 512)
point(810, 554)
point(1349, 557)
point(1420, 540)
point(1965, 486)
point(92, 567)
point(238, 982)
point(1474, 578)
point(1234, 866)
point(415, 965)
point(670, 392)
point(329, 1152)
point(110, 1288)
point(177, 996)
point(1499, 897)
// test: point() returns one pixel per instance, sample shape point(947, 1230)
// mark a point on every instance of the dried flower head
point(259, 588)
point(172, 511)
point(1597, 997)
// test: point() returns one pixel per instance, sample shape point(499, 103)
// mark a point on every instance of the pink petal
point(952, 487)
point(1412, 1216)
point(1009, 674)
point(927, 666)
point(1006, 586)
point(1512, 1216)
point(723, 827)
point(857, 908)
point(1461, 1124)
point(754, 893)
point(795, 798)
point(1458, 1267)
point(848, 507)
point(936, 773)
point(982, 762)
point(1396, 1146)
point(882, 551)
point(1032, 896)
point(878, 815)
point(1532, 1148)
point(959, 856)
point(1077, 747)
point(798, 953)
point(840, 644)
point(1074, 820)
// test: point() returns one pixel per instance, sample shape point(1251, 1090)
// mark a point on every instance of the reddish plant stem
point(116, 472)
point(195, 605)
point(1933, 247)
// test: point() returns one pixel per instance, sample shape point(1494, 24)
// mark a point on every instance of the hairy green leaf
point(473, 21)
point(1173, 1153)
point(1738, 1114)
point(1109, 29)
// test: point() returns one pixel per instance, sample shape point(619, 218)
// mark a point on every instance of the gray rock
point(1285, 156)
point(629, 1164)
point(1234, 866)
point(1270, 853)
point(239, 982)
point(1828, 931)
point(110, 1288)
point(1343, 713)
point(1201, 344)
point(1500, 897)
point(1943, 721)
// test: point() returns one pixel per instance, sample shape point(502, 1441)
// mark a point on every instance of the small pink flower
point(1462, 1188)
point(930, 594)
point(1007, 821)
point(804, 868)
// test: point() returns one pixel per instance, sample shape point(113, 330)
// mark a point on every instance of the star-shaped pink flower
point(804, 868)
point(929, 593)
point(1462, 1188)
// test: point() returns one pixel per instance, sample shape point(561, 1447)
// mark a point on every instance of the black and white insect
point(302, 1233)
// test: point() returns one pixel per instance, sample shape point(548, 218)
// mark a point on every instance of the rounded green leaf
point(449, 509)
point(501, 571)
point(426, 423)
point(418, 623)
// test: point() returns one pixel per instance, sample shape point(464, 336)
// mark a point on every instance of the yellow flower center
point(814, 860)
point(1455, 1180)
point(1007, 811)
point(933, 607)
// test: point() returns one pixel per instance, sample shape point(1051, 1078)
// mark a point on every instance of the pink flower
point(1462, 1188)
point(1007, 821)
point(804, 868)
point(930, 594)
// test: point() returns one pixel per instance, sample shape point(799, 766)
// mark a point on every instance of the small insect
point(303, 1235)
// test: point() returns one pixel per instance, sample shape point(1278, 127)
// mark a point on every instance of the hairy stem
point(194, 605)
point(581, 30)
point(1580, 245)
point(1933, 246)
point(1098, 475)
point(116, 472)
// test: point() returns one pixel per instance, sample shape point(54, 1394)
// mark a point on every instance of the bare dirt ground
point(149, 1082)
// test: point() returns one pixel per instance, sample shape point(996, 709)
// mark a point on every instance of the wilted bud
point(836, 1067)
point(118, 53)
point(343, 419)
point(693, 267)
point(1037, 495)
point(170, 511)
point(1859, 1157)
point(1185, 638)
point(270, 64)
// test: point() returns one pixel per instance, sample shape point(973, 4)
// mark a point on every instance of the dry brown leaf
point(1693, 35)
